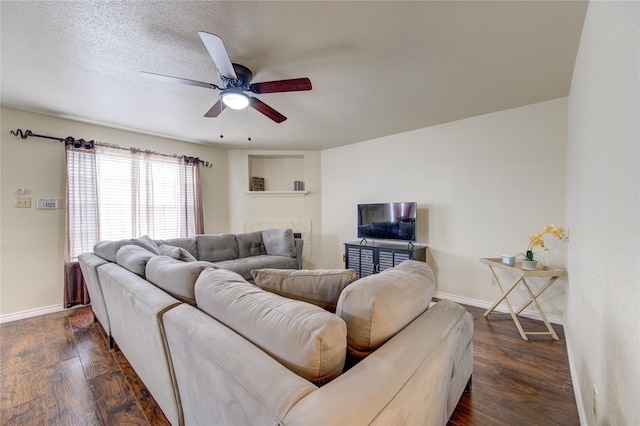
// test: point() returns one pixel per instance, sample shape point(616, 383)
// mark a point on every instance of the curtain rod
point(25, 134)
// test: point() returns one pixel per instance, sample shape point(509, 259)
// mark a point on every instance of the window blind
point(115, 194)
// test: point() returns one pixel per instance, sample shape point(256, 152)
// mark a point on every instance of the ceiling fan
point(235, 80)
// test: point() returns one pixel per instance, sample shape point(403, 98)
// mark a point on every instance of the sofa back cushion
point(177, 253)
point(175, 277)
point(306, 339)
point(378, 306)
point(322, 287)
point(250, 244)
point(108, 249)
point(146, 243)
point(134, 258)
point(279, 242)
point(188, 244)
point(216, 247)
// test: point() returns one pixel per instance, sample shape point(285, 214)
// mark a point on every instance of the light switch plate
point(22, 202)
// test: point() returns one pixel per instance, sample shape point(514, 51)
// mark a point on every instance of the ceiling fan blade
point(260, 106)
point(219, 54)
point(179, 80)
point(216, 109)
point(292, 85)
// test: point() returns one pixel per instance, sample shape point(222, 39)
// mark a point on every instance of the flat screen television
point(387, 221)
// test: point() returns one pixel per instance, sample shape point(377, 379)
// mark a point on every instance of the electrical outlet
point(22, 202)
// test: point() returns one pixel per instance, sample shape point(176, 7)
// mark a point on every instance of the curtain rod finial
point(23, 135)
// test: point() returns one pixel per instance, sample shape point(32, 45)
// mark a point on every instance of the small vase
point(529, 265)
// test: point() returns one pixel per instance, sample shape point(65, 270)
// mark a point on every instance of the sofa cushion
point(322, 287)
point(177, 253)
point(188, 244)
point(216, 247)
point(146, 243)
point(306, 339)
point(134, 258)
point(175, 277)
point(279, 242)
point(108, 249)
point(378, 306)
point(250, 244)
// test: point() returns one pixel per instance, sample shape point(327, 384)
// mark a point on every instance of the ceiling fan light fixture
point(234, 98)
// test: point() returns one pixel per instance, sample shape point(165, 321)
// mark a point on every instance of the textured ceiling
point(377, 68)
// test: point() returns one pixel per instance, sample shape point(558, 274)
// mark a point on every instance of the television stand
point(371, 257)
point(364, 242)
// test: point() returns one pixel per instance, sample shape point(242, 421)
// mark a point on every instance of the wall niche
point(271, 175)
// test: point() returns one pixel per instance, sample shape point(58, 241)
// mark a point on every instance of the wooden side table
point(542, 271)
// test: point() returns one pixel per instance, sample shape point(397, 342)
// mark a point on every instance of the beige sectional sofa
point(242, 253)
point(244, 354)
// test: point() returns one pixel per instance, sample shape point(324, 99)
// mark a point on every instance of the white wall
point(603, 318)
point(245, 207)
point(483, 185)
point(32, 240)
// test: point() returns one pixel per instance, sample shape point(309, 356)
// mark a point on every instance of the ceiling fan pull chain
point(221, 135)
point(249, 113)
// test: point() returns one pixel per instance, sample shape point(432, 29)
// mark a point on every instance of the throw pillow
point(147, 243)
point(279, 242)
point(322, 287)
point(177, 253)
point(188, 244)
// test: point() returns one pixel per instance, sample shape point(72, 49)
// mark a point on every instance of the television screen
point(387, 221)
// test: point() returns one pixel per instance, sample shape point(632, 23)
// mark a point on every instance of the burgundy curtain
point(75, 289)
point(192, 196)
point(81, 215)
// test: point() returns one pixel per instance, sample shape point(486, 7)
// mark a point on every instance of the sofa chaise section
point(410, 380)
point(230, 368)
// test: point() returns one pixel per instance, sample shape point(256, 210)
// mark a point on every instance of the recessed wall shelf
point(275, 174)
point(277, 193)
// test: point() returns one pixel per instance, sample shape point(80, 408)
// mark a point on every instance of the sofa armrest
point(134, 306)
point(299, 245)
point(408, 378)
point(89, 264)
point(222, 377)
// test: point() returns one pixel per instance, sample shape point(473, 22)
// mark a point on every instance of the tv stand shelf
point(369, 257)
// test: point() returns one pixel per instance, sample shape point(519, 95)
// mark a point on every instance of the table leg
point(551, 281)
point(534, 300)
point(514, 316)
point(504, 294)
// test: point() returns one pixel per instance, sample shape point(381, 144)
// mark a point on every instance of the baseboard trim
point(440, 295)
point(577, 390)
point(500, 308)
point(30, 313)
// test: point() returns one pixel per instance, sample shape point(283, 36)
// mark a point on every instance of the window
point(116, 193)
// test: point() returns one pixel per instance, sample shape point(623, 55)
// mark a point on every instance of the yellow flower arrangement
point(537, 239)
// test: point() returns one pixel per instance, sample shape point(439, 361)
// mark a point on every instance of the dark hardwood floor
point(517, 382)
point(56, 369)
